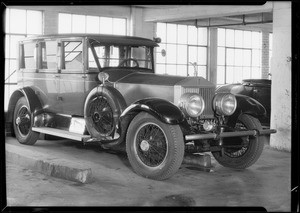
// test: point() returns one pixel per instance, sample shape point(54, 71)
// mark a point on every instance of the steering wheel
point(129, 59)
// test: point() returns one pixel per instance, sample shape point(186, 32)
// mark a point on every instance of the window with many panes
point(73, 23)
point(184, 45)
point(239, 55)
point(18, 25)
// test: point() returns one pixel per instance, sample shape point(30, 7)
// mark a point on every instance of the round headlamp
point(224, 104)
point(192, 104)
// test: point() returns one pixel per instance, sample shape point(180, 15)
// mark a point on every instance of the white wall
point(281, 76)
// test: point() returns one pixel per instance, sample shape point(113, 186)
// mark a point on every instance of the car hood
point(129, 76)
point(136, 85)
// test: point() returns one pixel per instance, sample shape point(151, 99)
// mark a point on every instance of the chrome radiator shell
point(206, 92)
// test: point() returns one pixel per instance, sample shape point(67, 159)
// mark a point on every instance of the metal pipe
point(245, 23)
point(229, 134)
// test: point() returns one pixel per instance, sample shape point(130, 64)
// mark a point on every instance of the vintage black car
point(103, 89)
point(259, 89)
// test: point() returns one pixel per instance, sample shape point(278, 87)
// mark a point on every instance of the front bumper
point(215, 136)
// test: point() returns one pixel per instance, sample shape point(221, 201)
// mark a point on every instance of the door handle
point(56, 76)
point(83, 76)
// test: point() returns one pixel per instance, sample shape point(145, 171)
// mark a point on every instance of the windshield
point(102, 55)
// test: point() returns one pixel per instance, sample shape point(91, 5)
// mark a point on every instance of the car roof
point(109, 39)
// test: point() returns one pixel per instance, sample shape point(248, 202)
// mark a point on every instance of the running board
point(61, 133)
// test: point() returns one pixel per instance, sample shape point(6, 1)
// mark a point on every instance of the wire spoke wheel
point(155, 149)
point(247, 152)
point(102, 115)
point(151, 144)
point(240, 151)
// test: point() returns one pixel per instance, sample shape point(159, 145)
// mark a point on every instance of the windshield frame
point(91, 45)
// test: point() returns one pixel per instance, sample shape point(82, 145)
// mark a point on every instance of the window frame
point(40, 57)
point(62, 68)
point(224, 45)
point(186, 44)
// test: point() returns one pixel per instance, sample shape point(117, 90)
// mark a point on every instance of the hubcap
point(23, 121)
point(144, 146)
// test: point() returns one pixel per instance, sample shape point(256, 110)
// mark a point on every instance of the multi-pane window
point(72, 23)
point(184, 45)
point(239, 55)
point(18, 25)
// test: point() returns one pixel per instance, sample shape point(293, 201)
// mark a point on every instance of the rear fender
point(35, 105)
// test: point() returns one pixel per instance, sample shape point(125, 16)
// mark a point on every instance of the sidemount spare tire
point(102, 110)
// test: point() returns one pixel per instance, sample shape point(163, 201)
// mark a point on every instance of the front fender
point(248, 105)
point(163, 110)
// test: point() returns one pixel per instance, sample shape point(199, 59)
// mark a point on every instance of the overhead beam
point(188, 12)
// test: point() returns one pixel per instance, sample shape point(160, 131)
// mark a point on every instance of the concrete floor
point(266, 184)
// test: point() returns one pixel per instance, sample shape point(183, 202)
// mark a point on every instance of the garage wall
point(281, 76)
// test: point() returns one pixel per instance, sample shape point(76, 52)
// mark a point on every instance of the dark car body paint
point(163, 110)
point(248, 105)
point(259, 89)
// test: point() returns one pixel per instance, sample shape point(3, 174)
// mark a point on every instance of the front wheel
point(155, 150)
point(22, 123)
point(250, 149)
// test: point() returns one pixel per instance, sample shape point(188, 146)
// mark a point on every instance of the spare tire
point(102, 110)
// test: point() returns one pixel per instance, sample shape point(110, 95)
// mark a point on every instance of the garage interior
point(219, 35)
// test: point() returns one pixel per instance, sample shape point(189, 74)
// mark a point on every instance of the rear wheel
point(155, 150)
point(250, 150)
point(22, 123)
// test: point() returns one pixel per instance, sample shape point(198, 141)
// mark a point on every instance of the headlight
point(192, 104)
point(224, 103)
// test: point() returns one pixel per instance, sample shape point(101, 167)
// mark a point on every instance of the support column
point(281, 76)
point(212, 55)
point(50, 22)
point(265, 55)
point(138, 26)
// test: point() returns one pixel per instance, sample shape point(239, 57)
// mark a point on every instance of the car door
point(72, 76)
point(39, 68)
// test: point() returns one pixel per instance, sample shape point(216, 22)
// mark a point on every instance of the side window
point(101, 52)
point(49, 55)
point(29, 56)
point(72, 56)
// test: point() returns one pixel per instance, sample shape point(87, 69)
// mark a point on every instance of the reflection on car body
point(103, 89)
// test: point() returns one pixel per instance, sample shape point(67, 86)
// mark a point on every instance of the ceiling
point(255, 21)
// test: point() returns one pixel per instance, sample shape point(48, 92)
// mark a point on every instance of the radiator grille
point(207, 94)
